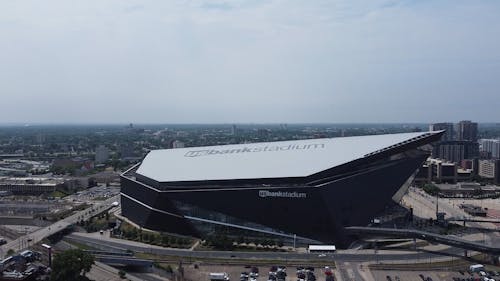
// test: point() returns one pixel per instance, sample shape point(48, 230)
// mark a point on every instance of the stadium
point(310, 189)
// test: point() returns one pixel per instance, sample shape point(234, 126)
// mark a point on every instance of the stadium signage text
point(281, 194)
point(204, 152)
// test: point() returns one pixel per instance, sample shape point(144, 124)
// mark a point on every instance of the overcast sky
point(249, 61)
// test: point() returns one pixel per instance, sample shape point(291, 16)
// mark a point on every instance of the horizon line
point(28, 124)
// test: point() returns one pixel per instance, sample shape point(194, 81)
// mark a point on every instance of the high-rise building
point(491, 146)
point(467, 131)
point(126, 151)
point(40, 138)
point(101, 154)
point(456, 151)
point(490, 169)
point(177, 144)
point(448, 127)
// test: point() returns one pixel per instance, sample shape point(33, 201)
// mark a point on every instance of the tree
point(431, 189)
point(71, 265)
point(122, 274)
point(165, 240)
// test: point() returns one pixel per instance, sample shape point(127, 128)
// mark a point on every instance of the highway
point(25, 241)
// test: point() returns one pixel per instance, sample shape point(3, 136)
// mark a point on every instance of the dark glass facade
point(317, 207)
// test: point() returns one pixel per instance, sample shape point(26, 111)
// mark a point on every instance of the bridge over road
point(428, 236)
point(25, 241)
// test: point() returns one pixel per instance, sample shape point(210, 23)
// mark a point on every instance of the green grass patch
point(98, 222)
point(58, 194)
point(129, 232)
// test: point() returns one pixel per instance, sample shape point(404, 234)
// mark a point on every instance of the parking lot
point(381, 275)
point(94, 193)
point(259, 273)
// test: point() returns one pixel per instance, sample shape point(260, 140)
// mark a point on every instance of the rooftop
point(285, 159)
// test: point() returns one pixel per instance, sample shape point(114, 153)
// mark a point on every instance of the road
point(103, 272)
point(352, 256)
point(25, 241)
point(428, 236)
point(348, 271)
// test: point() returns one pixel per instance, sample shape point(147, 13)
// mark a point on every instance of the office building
point(30, 185)
point(467, 131)
point(101, 154)
point(489, 169)
point(455, 151)
point(177, 144)
point(447, 127)
point(443, 171)
point(491, 147)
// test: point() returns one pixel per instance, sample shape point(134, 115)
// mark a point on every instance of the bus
point(321, 249)
point(219, 276)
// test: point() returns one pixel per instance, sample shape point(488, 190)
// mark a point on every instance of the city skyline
point(329, 140)
point(249, 62)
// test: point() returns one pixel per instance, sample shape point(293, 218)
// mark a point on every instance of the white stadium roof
point(282, 159)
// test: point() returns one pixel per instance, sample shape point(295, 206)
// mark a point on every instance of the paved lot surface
point(494, 214)
point(93, 193)
point(425, 206)
point(414, 275)
point(352, 271)
point(203, 271)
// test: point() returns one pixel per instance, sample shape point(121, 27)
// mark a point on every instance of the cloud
point(249, 61)
point(217, 6)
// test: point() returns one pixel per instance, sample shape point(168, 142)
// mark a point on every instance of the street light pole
point(26, 235)
point(437, 205)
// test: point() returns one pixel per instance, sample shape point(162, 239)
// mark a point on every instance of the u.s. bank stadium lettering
point(204, 152)
point(281, 194)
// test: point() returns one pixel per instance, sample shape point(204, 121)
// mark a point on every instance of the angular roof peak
point(283, 159)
